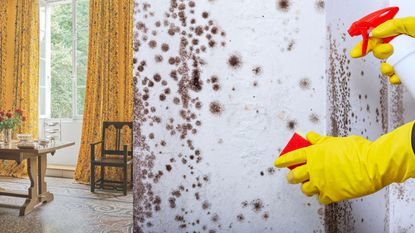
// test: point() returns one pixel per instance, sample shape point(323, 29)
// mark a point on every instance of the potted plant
point(9, 121)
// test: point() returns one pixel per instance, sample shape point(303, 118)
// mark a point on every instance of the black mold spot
point(283, 5)
point(212, 43)
point(305, 83)
point(215, 108)
point(205, 205)
point(291, 45)
point(320, 5)
point(235, 61)
point(196, 82)
point(314, 118)
point(157, 77)
point(152, 44)
point(172, 202)
point(257, 70)
point(244, 204)
point(265, 216)
point(257, 205)
point(165, 47)
point(158, 58)
point(215, 218)
point(240, 217)
point(205, 14)
point(168, 167)
point(291, 124)
point(199, 30)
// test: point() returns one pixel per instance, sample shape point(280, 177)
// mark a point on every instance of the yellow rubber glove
point(383, 51)
point(341, 168)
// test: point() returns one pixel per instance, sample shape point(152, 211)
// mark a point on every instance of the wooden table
point(36, 168)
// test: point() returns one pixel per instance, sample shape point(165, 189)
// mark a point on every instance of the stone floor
point(75, 209)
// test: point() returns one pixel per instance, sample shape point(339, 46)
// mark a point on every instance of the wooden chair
point(112, 157)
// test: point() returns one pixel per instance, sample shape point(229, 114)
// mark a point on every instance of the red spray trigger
point(364, 25)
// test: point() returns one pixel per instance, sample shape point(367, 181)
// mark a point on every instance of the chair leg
point(125, 170)
point(92, 177)
point(102, 176)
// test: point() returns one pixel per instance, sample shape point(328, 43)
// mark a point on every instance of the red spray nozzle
point(364, 25)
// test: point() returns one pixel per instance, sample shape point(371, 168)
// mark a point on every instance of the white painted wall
point(71, 132)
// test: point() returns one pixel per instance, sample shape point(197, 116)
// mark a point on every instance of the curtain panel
point(109, 86)
point(19, 67)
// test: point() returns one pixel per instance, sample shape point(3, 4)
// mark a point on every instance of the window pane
point(42, 101)
point(82, 14)
point(80, 101)
point(61, 62)
point(42, 69)
point(42, 31)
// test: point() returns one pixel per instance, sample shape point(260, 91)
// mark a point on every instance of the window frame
point(47, 4)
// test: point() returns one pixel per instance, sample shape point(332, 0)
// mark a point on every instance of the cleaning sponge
point(296, 142)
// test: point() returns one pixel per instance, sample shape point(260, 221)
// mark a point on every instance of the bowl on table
point(25, 138)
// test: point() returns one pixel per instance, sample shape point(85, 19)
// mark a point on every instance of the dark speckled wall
point(220, 86)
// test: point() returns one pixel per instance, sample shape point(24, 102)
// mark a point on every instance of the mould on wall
point(283, 5)
point(235, 61)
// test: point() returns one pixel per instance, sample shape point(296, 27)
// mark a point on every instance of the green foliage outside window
point(61, 58)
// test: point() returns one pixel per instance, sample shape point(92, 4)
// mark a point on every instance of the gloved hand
point(341, 168)
point(384, 50)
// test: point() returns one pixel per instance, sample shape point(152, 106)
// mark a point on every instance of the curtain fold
point(19, 67)
point(109, 85)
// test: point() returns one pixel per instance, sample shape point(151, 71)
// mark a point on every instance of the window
point(64, 27)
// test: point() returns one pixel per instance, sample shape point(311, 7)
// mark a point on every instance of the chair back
point(114, 136)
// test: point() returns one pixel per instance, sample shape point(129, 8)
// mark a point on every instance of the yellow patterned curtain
point(109, 87)
point(19, 67)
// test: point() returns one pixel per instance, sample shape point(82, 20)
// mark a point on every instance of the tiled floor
point(75, 209)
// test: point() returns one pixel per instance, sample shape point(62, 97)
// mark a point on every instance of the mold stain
point(215, 108)
point(257, 205)
point(292, 124)
point(257, 70)
point(320, 5)
point(235, 61)
point(314, 118)
point(283, 5)
point(240, 217)
point(290, 45)
point(305, 83)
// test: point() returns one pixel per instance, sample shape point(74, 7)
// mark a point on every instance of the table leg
point(32, 200)
point(44, 195)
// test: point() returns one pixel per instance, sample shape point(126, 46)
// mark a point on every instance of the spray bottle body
point(403, 60)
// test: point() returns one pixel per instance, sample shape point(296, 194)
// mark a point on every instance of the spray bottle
point(403, 58)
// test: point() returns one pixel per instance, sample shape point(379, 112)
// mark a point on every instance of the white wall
point(238, 145)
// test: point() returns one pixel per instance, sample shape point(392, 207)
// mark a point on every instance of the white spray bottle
point(403, 58)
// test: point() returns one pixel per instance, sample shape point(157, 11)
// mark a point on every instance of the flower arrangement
point(11, 119)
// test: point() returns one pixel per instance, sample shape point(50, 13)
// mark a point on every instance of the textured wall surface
point(220, 88)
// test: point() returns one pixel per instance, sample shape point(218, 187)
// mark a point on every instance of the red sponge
point(296, 142)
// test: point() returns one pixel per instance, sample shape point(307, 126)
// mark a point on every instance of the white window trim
point(48, 4)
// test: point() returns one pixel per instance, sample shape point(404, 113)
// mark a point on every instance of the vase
point(7, 136)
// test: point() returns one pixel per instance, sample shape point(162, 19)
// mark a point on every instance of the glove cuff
point(413, 138)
